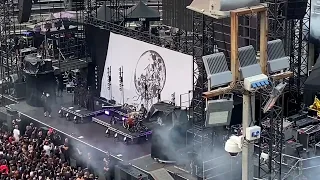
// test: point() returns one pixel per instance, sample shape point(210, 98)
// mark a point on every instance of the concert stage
point(90, 134)
point(78, 114)
point(93, 135)
point(118, 128)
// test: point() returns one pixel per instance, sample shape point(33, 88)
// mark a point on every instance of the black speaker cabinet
point(127, 172)
point(24, 10)
point(296, 9)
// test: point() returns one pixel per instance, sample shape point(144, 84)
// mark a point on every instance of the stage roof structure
point(312, 84)
point(105, 13)
point(142, 11)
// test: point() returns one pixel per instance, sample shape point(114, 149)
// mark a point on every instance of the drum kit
point(134, 122)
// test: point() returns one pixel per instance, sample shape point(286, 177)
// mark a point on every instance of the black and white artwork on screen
point(148, 71)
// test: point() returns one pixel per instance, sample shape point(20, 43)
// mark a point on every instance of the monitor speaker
point(24, 10)
point(296, 9)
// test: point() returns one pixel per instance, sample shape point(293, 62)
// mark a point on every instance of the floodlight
point(219, 112)
point(275, 94)
point(217, 70)
point(277, 60)
point(219, 7)
point(107, 112)
point(249, 65)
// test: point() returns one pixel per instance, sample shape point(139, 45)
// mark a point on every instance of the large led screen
point(147, 70)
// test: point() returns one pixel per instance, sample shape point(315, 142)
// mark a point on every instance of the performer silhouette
point(46, 104)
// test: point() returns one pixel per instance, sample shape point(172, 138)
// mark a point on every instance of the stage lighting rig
point(121, 83)
point(109, 77)
point(173, 99)
point(67, 117)
point(107, 132)
point(109, 81)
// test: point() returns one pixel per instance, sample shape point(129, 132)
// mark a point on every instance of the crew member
point(143, 110)
point(46, 104)
point(60, 84)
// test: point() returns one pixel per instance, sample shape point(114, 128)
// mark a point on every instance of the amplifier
point(297, 117)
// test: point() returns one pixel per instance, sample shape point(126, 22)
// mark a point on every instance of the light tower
point(248, 75)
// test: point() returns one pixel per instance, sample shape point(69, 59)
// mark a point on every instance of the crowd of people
point(37, 154)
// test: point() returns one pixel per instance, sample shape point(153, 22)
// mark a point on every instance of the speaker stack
point(24, 7)
point(296, 9)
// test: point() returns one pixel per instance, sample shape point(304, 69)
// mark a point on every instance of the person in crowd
point(30, 156)
point(46, 104)
point(60, 85)
point(16, 133)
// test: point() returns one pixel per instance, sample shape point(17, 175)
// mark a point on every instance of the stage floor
point(91, 133)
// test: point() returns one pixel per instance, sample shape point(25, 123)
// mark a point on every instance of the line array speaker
point(24, 7)
point(296, 9)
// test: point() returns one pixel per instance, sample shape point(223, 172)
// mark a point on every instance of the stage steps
point(161, 174)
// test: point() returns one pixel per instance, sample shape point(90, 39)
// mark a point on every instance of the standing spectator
point(60, 85)
point(16, 133)
point(47, 148)
point(66, 151)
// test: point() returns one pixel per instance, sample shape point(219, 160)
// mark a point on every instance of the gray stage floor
point(90, 133)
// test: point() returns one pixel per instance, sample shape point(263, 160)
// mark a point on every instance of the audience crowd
point(39, 154)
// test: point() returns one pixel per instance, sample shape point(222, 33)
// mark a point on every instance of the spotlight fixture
point(115, 136)
point(67, 117)
point(60, 113)
point(123, 118)
point(107, 113)
point(75, 119)
point(125, 139)
point(107, 132)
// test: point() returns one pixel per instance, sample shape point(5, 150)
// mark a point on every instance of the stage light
point(116, 135)
point(107, 132)
point(274, 96)
point(123, 118)
point(75, 118)
point(125, 139)
point(219, 112)
point(60, 113)
point(107, 112)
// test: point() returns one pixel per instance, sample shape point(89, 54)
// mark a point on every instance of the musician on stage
point(46, 104)
point(143, 110)
point(130, 122)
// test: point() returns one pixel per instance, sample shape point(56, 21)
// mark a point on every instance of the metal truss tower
point(203, 44)
point(271, 141)
point(299, 54)
point(7, 28)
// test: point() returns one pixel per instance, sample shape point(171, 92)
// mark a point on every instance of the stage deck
point(104, 120)
point(91, 133)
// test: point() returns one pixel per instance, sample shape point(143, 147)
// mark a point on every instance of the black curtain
point(97, 40)
point(36, 85)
